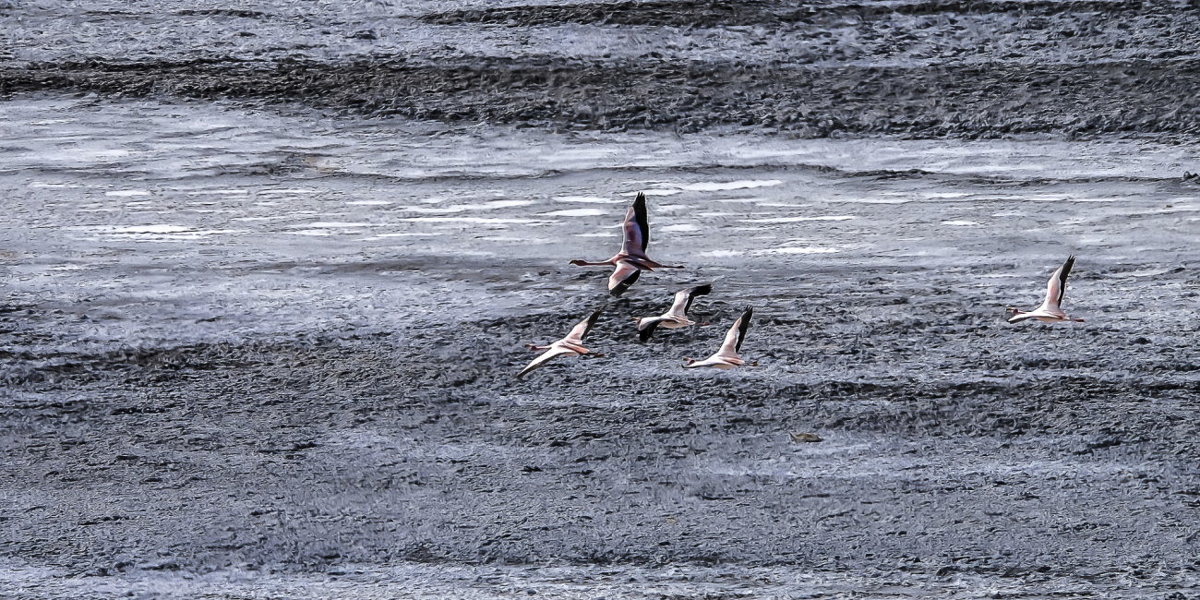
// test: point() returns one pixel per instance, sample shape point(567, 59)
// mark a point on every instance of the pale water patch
point(1142, 273)
point(331, 225)
point(368, 203)
point(882, 198)
point(288, 192)
point(587, 199)
point(960, 223)
point(126, 193)
point(575, 212)
point(741, 184)
point(657, 192)
point(220, 193)
point(800, 219)
point(270, 217)
point(506, 239)
point(682, 227)
point(475, 220)
point(148, 229)
point(721, 253)
point(796, 250)
point(414, 234)
point(151, 233)
point(182, 236)
point(457, 208)
point(53, 186)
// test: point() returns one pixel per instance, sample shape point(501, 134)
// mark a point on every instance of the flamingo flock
point(632, 259)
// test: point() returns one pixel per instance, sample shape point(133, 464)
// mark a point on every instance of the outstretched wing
point(737, 333)
point(700, 290)
point(636, 227)
point(683, 299)
point(581, 329)
point(547, 356)
point(646, 328)
point(1056, 288)
point(623, 276)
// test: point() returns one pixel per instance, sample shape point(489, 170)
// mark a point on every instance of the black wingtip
point(643, 220)
point(1066, 268)
point(699, 290)
point(645, 334)
point(744, 328)
point(591, 322)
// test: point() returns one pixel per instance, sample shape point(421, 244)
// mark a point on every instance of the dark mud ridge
point(918, 69)
point(991, 100)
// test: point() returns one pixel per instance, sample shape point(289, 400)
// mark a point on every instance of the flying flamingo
point(632, 259)
point(570, 345)
point(727, 357)
point(1051, 309)
point(674, 318)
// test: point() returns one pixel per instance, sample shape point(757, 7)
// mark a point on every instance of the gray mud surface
point(255, 345)
point(917, 69)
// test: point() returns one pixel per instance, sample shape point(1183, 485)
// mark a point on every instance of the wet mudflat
point(241, 363)
point(269, 271)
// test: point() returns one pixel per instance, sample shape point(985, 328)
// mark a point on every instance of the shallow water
point(162, 212)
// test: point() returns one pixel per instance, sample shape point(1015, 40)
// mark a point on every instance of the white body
point(1051, 309)
point(727, 357)
point(570, 345)
point(676, 317)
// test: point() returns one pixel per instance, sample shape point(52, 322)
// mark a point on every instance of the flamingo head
point(579, 262)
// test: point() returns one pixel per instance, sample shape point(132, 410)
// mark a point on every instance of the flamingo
point(674, 318)
point(1051, 309)
point(727, 357)
point(632, 259)
point(570, 345)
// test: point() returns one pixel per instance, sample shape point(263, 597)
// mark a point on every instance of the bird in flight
point(674, 318)
point(727, 357)
point(632, 259)
point(1051, 309)
point(572, 345)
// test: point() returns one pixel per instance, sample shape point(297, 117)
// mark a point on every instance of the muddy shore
point(264, 297)
point(920, 69)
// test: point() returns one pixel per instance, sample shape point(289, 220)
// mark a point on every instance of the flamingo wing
point(623, 276)
point(554, 352)
point(647, 326)
point(581, 329)
point(737, 333)
point(679, 304)
point(1056, 287)
point(684, 298)
point(700, 290)
point(636, 227)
